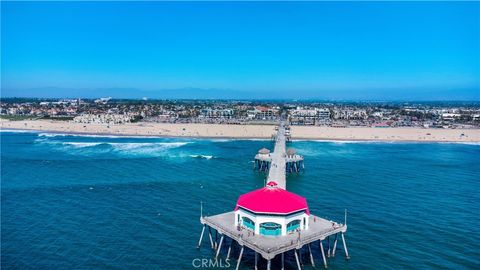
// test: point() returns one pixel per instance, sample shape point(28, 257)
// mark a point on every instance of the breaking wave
point(50, 134)
point(82, 144)
point(202, 156)
point(149, 149)
point(17, 130)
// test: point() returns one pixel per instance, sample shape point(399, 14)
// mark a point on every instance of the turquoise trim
point(270, 228)
point(293, 225)
point(248, 223)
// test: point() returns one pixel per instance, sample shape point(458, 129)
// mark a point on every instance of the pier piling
point(219, 246)
point(334, 245)
point(201, 236)
point(211, 238)
point(298, 261)
point(345, 247)
point(323, 255)
point(328, 246)
point(239, 258)
point(311, 255)
point(229, 250)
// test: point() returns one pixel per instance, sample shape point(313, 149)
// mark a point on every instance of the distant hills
point(201, 93)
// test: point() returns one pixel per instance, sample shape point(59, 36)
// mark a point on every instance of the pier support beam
point(335, 245)
point(300, 256)
point(269, 263)
point(239, 258)
point(219, 247)
point(229, 250)
point(201, 236)
point(328, 246)
point(211, 238)
point(345, 247)
point(311, 255)
point(283, 261)
point(323, 255)
point(256, 260)
point(298, 261)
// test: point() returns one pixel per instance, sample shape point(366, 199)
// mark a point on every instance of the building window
point(292, 226)
point(248, 223)
point(270, 228)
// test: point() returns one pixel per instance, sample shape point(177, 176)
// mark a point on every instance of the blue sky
point(325, 50)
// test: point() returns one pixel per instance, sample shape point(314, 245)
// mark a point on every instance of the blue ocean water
point(88, 202)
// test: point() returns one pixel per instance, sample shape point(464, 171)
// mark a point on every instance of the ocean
point(93, 202)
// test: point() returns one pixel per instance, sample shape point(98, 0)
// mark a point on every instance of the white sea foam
point(353, 141)
point(132, 146)
point(50, 134)
point(221, 140)
point(382, 142)
point(18, 130)
point(146, 149)
point(467, 143)
point(122, 148)
point(471, 143)
point(82, 144)
point(202, 156)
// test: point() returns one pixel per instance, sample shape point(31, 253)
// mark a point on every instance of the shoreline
point(247, 132)
point(107, 135)
point(112, 135)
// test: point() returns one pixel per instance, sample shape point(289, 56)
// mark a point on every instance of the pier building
point(294, 162)
point(272, 221)
point(288, 135)
point(272, 211)
point(262, 160)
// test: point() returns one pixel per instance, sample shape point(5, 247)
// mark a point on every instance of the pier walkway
point(277, 172)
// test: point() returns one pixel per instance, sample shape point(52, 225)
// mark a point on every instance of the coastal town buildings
point(103, 118)
point(333, 114)
point(263, 113)
point(217, 113)
point(309, 116)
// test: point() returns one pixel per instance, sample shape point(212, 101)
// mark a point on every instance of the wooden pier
point(320, 230)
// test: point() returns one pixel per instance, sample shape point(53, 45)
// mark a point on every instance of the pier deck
point(270, 246)
point(277, 167)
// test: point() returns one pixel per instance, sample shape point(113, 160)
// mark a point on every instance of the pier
point(272, 221)
point(278, 159)
point(281, 161)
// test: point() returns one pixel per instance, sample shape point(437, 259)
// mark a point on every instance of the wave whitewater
point(51, 134)
point(202, 156)
point(123, 148)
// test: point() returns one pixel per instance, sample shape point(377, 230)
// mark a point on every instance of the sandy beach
point(250, 131)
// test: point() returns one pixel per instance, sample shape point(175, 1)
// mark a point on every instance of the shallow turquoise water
point(86, 202)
